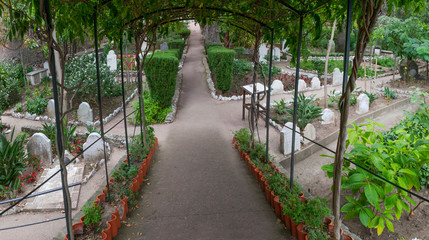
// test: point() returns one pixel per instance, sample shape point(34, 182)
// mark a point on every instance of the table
point(249, 90)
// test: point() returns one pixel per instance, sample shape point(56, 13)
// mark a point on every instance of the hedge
point(210, 45)
point(172, 52)
point(177, 44)
point(161, 71)
point(221, 61)
point(184, 33)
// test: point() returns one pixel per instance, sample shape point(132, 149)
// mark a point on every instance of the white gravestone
point(286, 139)
point(337, 77)
point(315, 83)
point(362, 104)
point(309, 132)
point(277, 87)
point(164, 46)
point(46, 66)
point(94, 153)
point(40, 146)
point(50, 109)
point(301, 85)
point(112, 61)
point(328, 116)
point(84, 113)
point(144, 46)
point(263, 50)
point(277, 54)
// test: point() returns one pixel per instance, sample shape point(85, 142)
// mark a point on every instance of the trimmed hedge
point(184, 33)
point(210, 45)
point(161, 72)
point(177, 44)
point(172, 52)
point(221, 61)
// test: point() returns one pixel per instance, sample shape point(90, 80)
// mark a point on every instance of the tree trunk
point(325, 81)
point(366, 23)
point(139, 43)
point(211, 33)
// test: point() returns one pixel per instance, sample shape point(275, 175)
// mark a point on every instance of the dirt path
point(198, 187)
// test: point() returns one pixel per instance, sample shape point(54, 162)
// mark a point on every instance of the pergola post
point(347, 49)
point(123, 100)
point(267, 108)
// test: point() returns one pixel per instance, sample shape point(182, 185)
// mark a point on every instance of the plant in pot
point(91, 220)
point(297, 213)
point(314, 215)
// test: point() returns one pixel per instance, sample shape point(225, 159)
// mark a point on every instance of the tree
point(325, 81)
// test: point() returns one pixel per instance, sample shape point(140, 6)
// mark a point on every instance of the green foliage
point(210, 45)
point(125, 173)
point(243, 138)
point(239, 52)
point(50, 131)
point(81, 74)
point(385, 62)
point(11, 81)
point(241, 67)
point(184, 33)
point(424, 176)
point(280, 107)
point(91, 129)
point(265, 67)
point(161, 71)
point(333, 97)
point(221, 62)
point(39, 101)
point(306, 111)
point(93, 214)
point(18, 107)
point(177, 44)
point(138, 151)
point(389, 94)
point(154, 113)
point(375, 201)
point(13, 159)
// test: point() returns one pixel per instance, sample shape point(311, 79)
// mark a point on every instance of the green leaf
point(378, 162)
point(389, 225)
point(371, 194)
point(408, 171)
point(364, 218)
point(380, 226)
point(390, 200)
point(374, 222)
point(348, 207)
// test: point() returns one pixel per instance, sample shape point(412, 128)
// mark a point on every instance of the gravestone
point(277, 54)
point(315, 83)
point(286, 139)
point(328, 116)
point(35, 77)
point(40, 146)
point(362, 104)
point(112, 61)
point(301, 85)
point(84, 113)
point(284, 49)
point(94, 153)
point(337, 77)
point(50, 109)
point(164, 46)
point(144, 46)
point(263, 50)
point(277, 87)
point(309, 132)
point(46, 66)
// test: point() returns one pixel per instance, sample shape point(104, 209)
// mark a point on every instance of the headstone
point(144, 46)
point(337, 77)
point(94, 153)
point(50, 109)
point(40, 146)
point(328, 116)
point(35, 77)
point(84, 113)
point(263, 50)
point(286, 139)
point(362, 104)
point(315, 83)
point(309, 132)
point(377, 51)
point(277, 54)
point(46, 66)
point(112, 61)
point(164, 46)
point(277, 87)
point(284, 49)
point(301, 85)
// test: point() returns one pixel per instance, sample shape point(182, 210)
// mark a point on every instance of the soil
point(95, 232)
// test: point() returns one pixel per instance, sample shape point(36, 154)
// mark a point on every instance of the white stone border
point(45, 118)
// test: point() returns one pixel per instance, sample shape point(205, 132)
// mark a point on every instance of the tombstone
point(328, 116)
point(84, 113)
point(309, 132)
point(362, 104)
point(50, 109)
point(144, 46)
point(94, 153)
point(337, 77)
point(35, 77)
point(277, 87)
point(112, 61)
point(277, 54)
point(263, 50)
point(46, 66)
point(284, 49)
point(286, 139)
point(301, 85)
point(377, 51)
point(164, 46)
point(315, 83)
point(40, 146)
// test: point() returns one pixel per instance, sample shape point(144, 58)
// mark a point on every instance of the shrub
point(39, 101)
point(177, 44)
point(210, 45)
point(172, 52)
point(184, 33)
point(138, 151)
point(306, 111)
point(93, 214)
point(154, 113)
point(239, 52)
point(265, 67)
point(161, 71)
point(221, 61)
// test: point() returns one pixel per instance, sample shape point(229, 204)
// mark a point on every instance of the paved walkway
point(199, 189)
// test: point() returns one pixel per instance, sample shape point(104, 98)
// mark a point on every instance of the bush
point(154, 113)
point(138, 151)
point(239, 52)
point(210, 45)
point(11, 81)
point(39, 101)
point(177, 44)
point(184, 33)
point(161, 71)
point(82, 73)
point(306, 111)
point(221, 61)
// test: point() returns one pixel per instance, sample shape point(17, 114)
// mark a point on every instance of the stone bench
point(35, 77)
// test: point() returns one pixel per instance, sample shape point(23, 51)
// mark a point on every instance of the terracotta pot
point(156, 143)
point(282, 215)
point(102, 197)
point(134, 186)
point(268, 194)
point(272, 199)
point(104, 236)
point(277, 208)
point(242, 154)
point(293, 228)
point(302, 197)
point(300, 232)
point(140, 176)
point(262, 181)
point(276, 169)
point(347, 237)
point(143, 167)
point(114, 224)
point(256, 173)
point(247, 158)
point(288, 222)
point(124, 203)
point(78, 228)
point(306, 237)
point(271, 164)
point(107, 232)
point(234, 141)
point(118, 218)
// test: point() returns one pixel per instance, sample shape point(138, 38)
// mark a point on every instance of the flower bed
point(306, 218)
